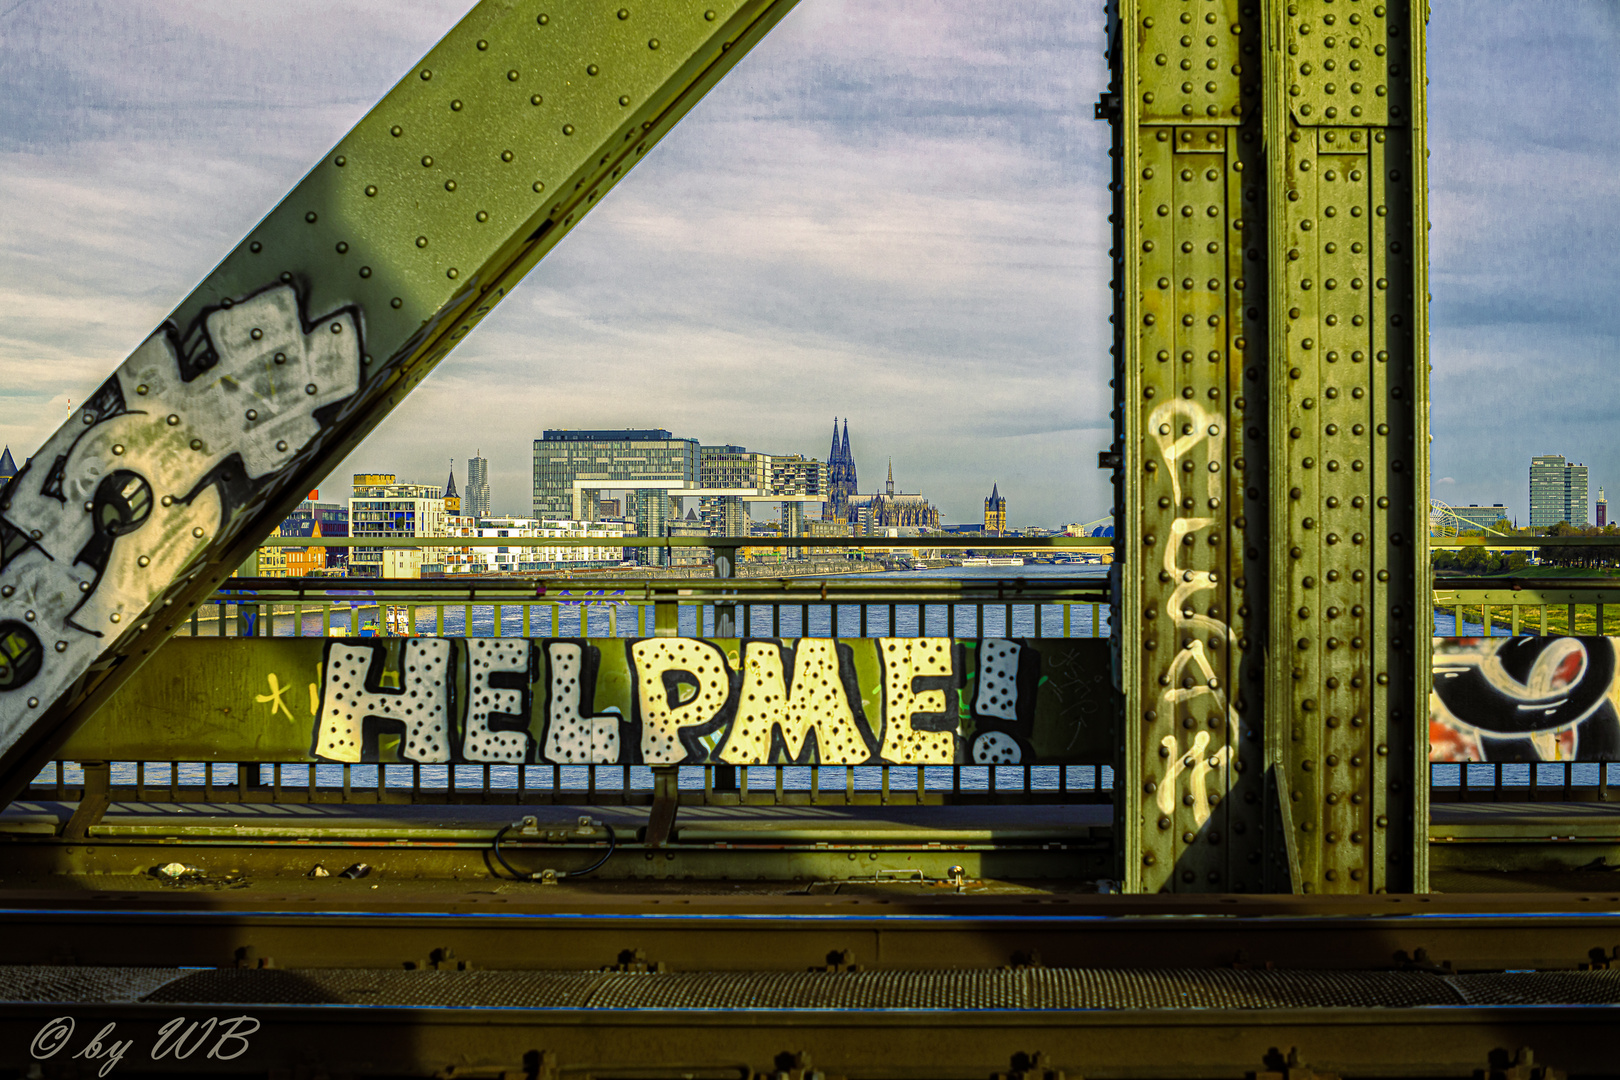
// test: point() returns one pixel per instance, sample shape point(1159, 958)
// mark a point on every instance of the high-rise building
point(1557, 491)
point(475, 503)
point(734, 467)
point(572, 467)
point(794, 475)
point(995, 511)
point(383, 507)
point(1601, 509)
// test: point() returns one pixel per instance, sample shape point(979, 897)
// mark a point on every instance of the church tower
point(452, 501)
point(995, 512)
point(841, 482)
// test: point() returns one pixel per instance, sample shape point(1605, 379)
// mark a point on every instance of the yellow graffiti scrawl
point(816, 704)
point(668, 701)
point(904, 661)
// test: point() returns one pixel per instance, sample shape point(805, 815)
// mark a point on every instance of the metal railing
point(585, 785)
point(1514, 606)
point(859, 605)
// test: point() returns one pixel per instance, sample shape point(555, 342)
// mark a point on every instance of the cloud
point(893, 210)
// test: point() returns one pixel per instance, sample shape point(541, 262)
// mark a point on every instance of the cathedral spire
point(888, 488)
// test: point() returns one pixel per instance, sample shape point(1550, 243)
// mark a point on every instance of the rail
point(857, 606)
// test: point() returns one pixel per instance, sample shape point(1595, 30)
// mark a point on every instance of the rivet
point(421, 241)
point(144, 560)
point(118, 448)
point(512, 76)
point(8, 591)
point(624, 13)
point(33, 703)
point(342, 248)
point(535, 99)
point(310, 389)
point(255, 247)
point(142, 389)
point(543, 19)
point(310, 217)
point(653, 44)
point(167, 500)
point(396, 302)
point(449, 185)
point(506, 155)
point(482, 215)
point(282, 445)
point(173, 419)
point(709, 15)
point(452, 273)
point(29, 616)
point(568, 129)
point(455, 106)
point(624, 99)
point(281, 358)
point(426, 74)
point(61, 646)
point(371, 191)
point(482, 44)
point(196, 444)
point(427, 161)
point(590, 69)
point(396, 131)
point(365, 271)
point(337, 328)
point(197, 532)
point(115, 617)
point(539, 187)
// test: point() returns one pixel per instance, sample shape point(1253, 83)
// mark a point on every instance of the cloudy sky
point(893, 211)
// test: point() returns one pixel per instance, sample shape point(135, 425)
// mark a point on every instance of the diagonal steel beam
point(316, 326)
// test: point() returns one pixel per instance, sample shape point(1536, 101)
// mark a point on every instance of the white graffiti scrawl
point(1181, 426)
point(158, 468)
point(356, 708)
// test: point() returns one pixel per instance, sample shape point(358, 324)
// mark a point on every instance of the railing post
point(93, 800)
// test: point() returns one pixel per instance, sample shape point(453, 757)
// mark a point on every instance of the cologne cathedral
point(864, 513)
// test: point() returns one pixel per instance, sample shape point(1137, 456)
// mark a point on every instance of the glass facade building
point(611, 460)
point(475, 500)
point(1557, 492)
point(382, 507)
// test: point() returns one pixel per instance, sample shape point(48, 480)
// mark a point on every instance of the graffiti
point(164, 463)
point(357, 708)
point(810, 718)
point(1524, 699)
point(618, 701)
point(1180, 426)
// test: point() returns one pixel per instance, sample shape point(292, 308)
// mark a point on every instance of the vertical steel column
point(1270, 453)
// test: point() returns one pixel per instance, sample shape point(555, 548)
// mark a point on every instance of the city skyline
point(901, 204)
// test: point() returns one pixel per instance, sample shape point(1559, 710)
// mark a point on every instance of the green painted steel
point(1271, 443)
point(342, 299)
point(613, 701)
